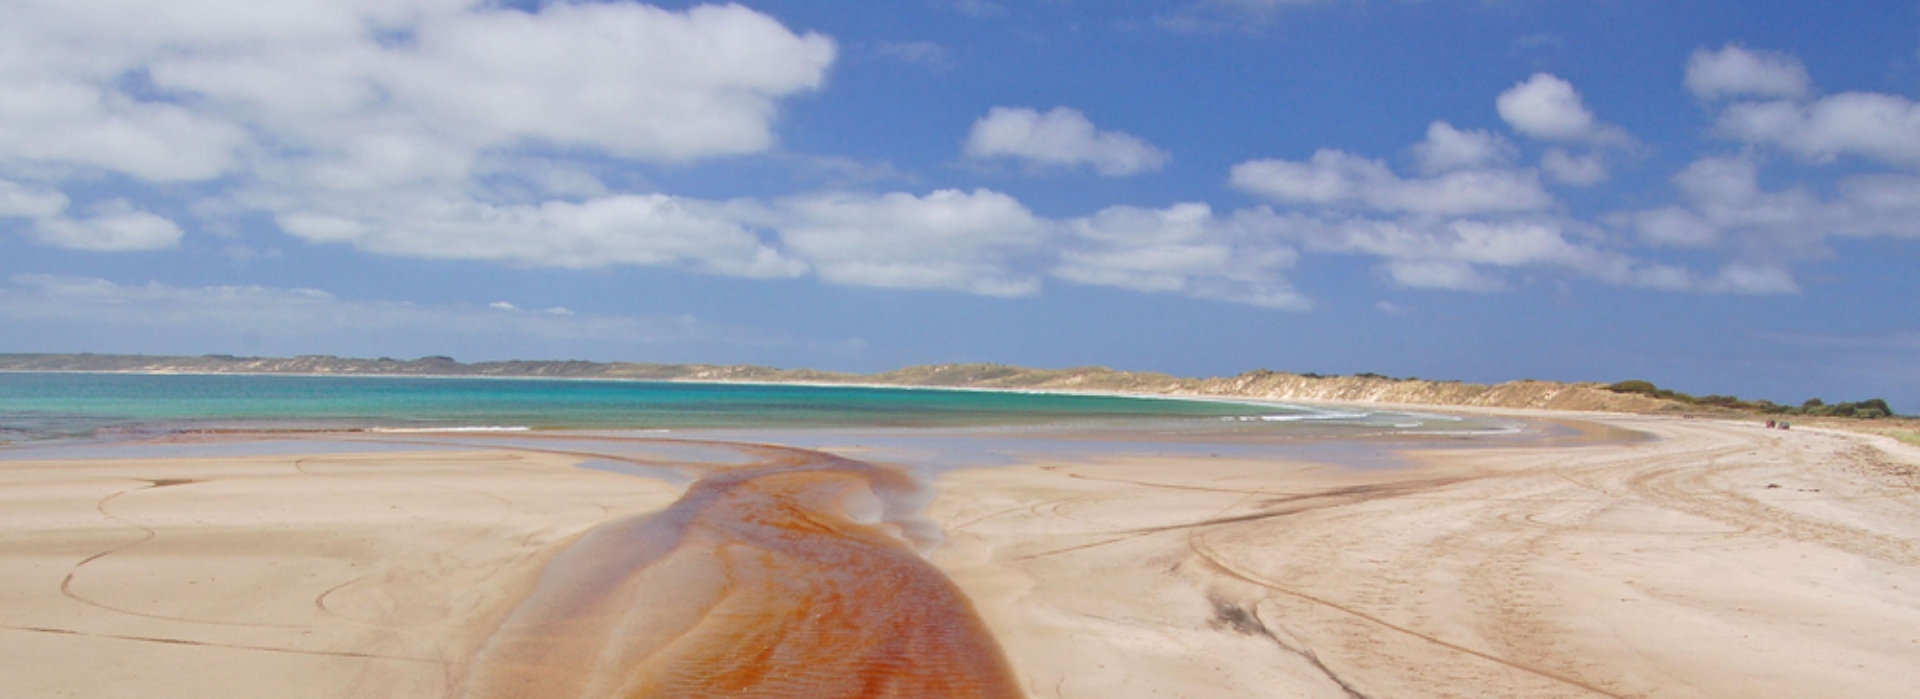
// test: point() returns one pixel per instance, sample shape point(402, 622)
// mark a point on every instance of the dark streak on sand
point(789, 577)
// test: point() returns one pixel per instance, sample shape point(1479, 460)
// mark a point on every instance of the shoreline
point(1531, 568)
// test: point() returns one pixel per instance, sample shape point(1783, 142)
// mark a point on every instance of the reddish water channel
point(793, 575)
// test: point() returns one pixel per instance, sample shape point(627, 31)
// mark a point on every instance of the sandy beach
point(1718, 559)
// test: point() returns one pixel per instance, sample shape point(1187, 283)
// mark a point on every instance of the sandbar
point(1716, 559)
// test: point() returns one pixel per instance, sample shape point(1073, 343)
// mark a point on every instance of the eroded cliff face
point(1266, 385)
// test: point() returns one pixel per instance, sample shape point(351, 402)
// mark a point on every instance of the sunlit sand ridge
point(792, 577)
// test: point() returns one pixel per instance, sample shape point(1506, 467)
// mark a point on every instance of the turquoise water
point(38, 406)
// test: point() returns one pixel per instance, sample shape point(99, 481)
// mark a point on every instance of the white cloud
point(1336, 178)
point(1724, 205)
point(1062, 137)
point(1450, 275)
point(28, 202)
point(1675, 226)
point(1181, 249)
point(634, 80)
point(615, 230)
point(1752, 279)
point(431, 128)
point(1447, 148)
point(113, 227)
point(1736, 71)
point(1469, 254)
point(1391, 308)
point(1871, 125)
point(1547, 108)
point(629, 80)
point(948, 239)
point(1578, 170)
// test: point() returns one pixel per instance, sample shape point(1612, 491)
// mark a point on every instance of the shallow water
point(792, 576)
point(783, 571)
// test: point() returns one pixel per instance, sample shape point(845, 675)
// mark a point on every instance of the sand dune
point(1720, 560)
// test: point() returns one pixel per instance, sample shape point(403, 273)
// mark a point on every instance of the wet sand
point(1719, 560)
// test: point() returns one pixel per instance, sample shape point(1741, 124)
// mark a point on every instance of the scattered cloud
point(1724, 204)
point(1181, 249)
point(1466, 254)
point(22, 201)
point(628, 229)
point(1447, 148)
point(1735, 71)
point(1875, 126)
point(1577, 170)
point(948, 239)
point(1546, 107)
point(112, 227)
point(1340, 179)
point(390, 125)
point(1062, 137)
point(922, 52)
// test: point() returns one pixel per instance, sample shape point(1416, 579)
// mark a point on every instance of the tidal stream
point(794, 575)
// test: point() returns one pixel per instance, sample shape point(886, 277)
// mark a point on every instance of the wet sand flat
point(1718, 560)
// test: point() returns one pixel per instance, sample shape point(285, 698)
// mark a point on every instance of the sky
point(1721, 197)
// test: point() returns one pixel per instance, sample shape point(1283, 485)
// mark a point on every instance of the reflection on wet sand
point(793, 576)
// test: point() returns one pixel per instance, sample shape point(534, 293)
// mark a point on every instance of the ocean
point(56, 406)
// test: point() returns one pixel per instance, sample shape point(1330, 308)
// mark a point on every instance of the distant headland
point(1260, 384)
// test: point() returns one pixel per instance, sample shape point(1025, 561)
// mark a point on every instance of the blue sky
point(1720, 197)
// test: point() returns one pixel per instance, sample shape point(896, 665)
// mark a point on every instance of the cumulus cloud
point(1182, 249)
point(630, 229)
point(113, 227)
point(1735, 71)
point(1753, 279)
point(23, 201)
point(1466, 254)
point(1871, 125)
point(1674, 226)
point(948, 239)
point(1578, 170)
point(1547, 108)
point(432, 128)
point(1724, 203)
point(625, 79)
point(1062, 137)
point(1337, 178)
point(1448, 148)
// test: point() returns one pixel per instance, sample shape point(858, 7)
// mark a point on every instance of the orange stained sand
point(785, 578)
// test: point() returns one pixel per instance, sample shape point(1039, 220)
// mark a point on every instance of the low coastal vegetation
point(1871, 408)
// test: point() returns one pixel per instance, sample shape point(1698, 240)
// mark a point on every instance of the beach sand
point(1719, 560)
